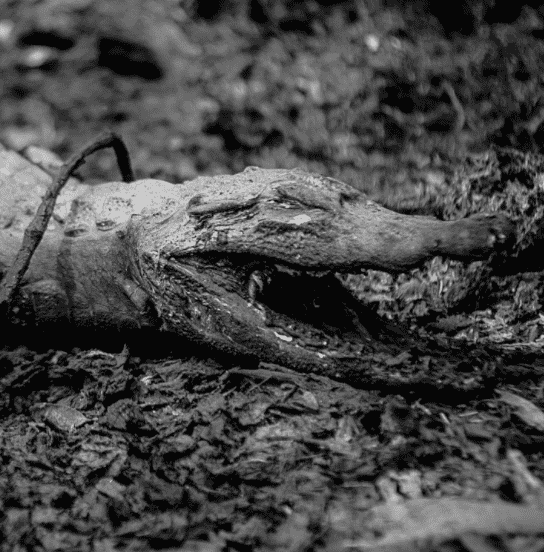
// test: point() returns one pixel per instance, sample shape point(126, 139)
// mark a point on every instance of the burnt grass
point(110, 442)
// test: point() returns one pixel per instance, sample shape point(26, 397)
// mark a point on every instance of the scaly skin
point(241, 263)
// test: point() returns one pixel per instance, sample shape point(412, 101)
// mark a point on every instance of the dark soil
point(147, 447)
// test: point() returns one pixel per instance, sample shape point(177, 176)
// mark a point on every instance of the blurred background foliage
point(383, 94)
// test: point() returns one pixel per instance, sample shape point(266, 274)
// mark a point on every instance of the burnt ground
point(142, 448)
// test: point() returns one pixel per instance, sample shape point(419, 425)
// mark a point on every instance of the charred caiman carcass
point(244, 264)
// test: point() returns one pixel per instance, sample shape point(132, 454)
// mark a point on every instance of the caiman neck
point(84, 281)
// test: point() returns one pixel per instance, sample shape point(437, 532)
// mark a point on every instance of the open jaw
point(244, 305)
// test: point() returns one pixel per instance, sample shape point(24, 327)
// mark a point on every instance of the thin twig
point(34, 232)
point(461, 118)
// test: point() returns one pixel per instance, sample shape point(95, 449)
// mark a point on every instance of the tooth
point(257, 280)
point(252, 289)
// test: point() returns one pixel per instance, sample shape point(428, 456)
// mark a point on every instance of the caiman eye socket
point(75, 232)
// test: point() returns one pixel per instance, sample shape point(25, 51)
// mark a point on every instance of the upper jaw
point(298, 219)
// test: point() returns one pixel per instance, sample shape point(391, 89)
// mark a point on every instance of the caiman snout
point(476, 237)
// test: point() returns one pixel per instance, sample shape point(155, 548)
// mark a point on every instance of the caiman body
point(242, 263)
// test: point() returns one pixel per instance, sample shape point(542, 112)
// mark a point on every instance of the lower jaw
point(319, 314)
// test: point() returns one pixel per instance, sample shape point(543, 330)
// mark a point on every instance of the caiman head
point(247, 263)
